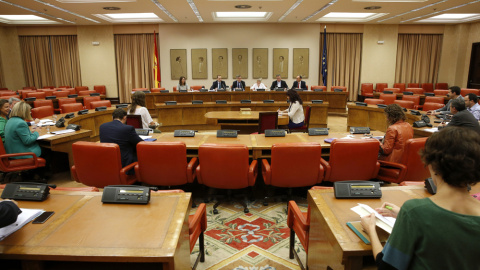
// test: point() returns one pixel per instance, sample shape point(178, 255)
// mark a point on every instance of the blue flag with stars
point(324, 57)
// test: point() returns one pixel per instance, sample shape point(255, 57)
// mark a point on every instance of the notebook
point(23, 219)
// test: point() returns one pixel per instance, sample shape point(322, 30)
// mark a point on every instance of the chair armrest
point(393, 165)
point(191, 166)
point(7, 156)
point(327, 168)
point(73, 170)
point(199, 175)
point(321, 173)
point(418, 107)
point(199, 218)
point(266, 172)
point(124, 170)
point(252, 173)
point(294, 213)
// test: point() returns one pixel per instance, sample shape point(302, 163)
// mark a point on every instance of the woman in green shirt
point(4, 109)
point(440, 232)
point(18, 137)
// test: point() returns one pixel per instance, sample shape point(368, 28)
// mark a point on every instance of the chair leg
point(292, 243)
point(215, 210)
point(202, 247)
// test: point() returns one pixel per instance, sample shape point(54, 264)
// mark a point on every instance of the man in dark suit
point(299, 84)
point(238, 83)
point(218, 84)
point(279, 83)
point(123, 135)
point(462, 117)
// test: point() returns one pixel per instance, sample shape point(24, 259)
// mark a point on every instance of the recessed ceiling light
point(37, 12)
point(453, 16)
point(372, 7)
point(240, 14)
point(22, 17)
point(111, 8)
point(348, 15)
point(320, 10)
point(243, 6)
point(195, 10)
point(93, 1)
point(290, 10)
point(132, 15)
point(442, 11)
point(162, 8)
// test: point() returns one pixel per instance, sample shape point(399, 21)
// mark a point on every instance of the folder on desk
point(329, 140)
point(357, 228)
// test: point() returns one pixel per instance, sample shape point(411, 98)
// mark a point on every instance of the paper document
point(63, 131)
point(435, 129)
point(386, 223)
point(45, 136)
point(25, 217)
point(144, 137)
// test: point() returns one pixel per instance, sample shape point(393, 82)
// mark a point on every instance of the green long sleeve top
point(3, 122)
point(19, 138)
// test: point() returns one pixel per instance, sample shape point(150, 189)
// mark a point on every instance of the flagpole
point(324, 57)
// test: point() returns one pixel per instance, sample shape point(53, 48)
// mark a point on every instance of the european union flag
point(324, 57)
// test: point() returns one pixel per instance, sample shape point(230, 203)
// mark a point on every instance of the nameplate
point(269, 101)
point(203, 90)
point(275, 132)
point(280, 89)
point(245, 101)
point(73, 96)
point(95, 94)
point(121, 106)
point(197, 101)
point(388, 92)
point(429, 94)
point(238, 90)
point(82, 112)
point(260, 89)
point(337, 90)
point(361, 104)
point(381, 106)
point(317, 101)
point(406, 93)
point(30, 99)
point(164, 91)
point(182, 91)
point(317, 131)
point(221, 90)
point(299, 90)
point(102, 108)
point(142, 131)
point(184, 133)
point(170, 103)
point(225, 133)
point(220, 101)
point(69, 115)
point(318, 90)
point(50, 97)
point(359, 130)
point(148, 92)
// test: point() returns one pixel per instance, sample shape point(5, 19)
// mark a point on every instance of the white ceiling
point(399, 12)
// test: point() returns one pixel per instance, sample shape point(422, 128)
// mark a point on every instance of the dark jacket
point(238, 85)
point(215, 85)
point(465, 119)
point(123, 135)
point(274, 84)
point(303, 85)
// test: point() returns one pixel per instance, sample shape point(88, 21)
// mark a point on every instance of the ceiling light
point(240, 14)
point(111, 8)
point(417, 9)
point(347, 15)
point(93, 1)
point(453, 16)
point(441, 11)
point(318, 11)
point(290, 9)
point(34, 11)
point(22, 17)
point(350, 17)
point(132, 15)
point(372, 7)
point(66, 11)
point(195, 10)
point(162, 8)
point(243, 6)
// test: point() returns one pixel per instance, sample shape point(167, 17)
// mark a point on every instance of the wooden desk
point(245, 123)
point(85, 230)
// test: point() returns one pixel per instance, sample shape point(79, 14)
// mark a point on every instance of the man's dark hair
point(458, 104)
point(454, 153)
point(472, 97)
point(300, 76)
point(455, 89)
point(119, 114)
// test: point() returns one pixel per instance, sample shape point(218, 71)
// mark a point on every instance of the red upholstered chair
point(352, 159)
point(7, 97)
point(416, 91)
point(399, 85)
point(49, 87)
point(49, 92)
point(154, 90)
point(197, 225)
point(80, 88)
point(438, 92)
point(427, 87)
point(393, 90)
point(414, 98)
point(164, 164)
point(174, 89)
point(413, 85)
point(374, 101)
point(29, 88)
point(405, 103)
point(88, 100)
point(23, 93)
point(267, 120)
point(388, 98)
point(219, 162)
point(71, 107)
point(379, 87)
point(410, 168)
point(139, 89)
point(3, 88)
point(197, 87)
point(8, 165)
point(65, 86)
point(443, 86)
point(82, 189)
point(344, 89)
point(299, 224)
point(465, 91)
point(101, 103)
point(7, 93)
point(307, 111)
point(60, 94)
point(44, 102)
point(42, 112)
point(134, 120)
point(100, 165)
point(367, 89)
point(100, 89)
point(428, 106)
point(86, 92)
point(62, 101)
point(429, 99)
point(71, 90)
point(38, 95)
point(324, 88)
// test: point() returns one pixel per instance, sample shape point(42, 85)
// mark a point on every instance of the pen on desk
point(388, 207)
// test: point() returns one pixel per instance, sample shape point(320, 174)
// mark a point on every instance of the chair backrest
point(88, 100)
point(154, 90)
point(174, 89)
point(427, 106)
point(97, 164)
point(394, 90)
point(223, 166)
point(374, 101)
point(80, 88)
point(306, 162)
point(86, 92)
point(418, 91)
point(428, 87)
point(416, 169)
point(162, 163)
point(49, 87)
point(134, 120)
point(267, 120)
point(324, 88)
point(40, 103)
point(439, 92)
point(38, 95)
point(65, 86)
point(308, 112)
point(415, 99)
point(354, 159)
point(101, 103)
point(344, 89)
point(405, 103)
point(139, 89)
point(42, 112)
point(7, 93)
point(388, 98)
point(196, 87)
point(434, 99)
point(29, 88)
point(399, 85)
point(413, 85)
point(465, 91)
point(443, 86)
point(366, 88)
point(380, 86)
point(63, 101)
point(71, 107)
point(100, 89)
point(60, 94)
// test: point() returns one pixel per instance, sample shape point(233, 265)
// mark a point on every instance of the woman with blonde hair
point(138, 107)
point(18, 137)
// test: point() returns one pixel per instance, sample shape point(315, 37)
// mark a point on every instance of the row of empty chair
point(56, 92)
point(366, 89)
point(44, 108)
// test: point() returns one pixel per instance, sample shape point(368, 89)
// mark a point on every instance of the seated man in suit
point(462, 117)
point(123, 135)
point(299, 84)
point(454, 93)
point(218, 84)
point(238, 83)
point(279, 83)
point(471, 101)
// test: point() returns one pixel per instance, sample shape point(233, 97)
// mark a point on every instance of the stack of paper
point(386, 223)
point(62, 131)
point(23, 219)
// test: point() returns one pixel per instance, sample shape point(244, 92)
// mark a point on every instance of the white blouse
point(261, 86)
point(295, 112)
point(146, 118)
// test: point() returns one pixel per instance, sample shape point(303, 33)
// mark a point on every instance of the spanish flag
point(156, 67)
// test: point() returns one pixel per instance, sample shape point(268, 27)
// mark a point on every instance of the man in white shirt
point(452, 94)
point(258, 85)
point(471, 101)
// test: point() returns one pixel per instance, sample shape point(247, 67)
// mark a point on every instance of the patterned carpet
point(258, 240)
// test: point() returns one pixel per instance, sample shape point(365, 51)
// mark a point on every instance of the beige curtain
point(344, 59)
point(134, 56)
point(66, 63)
point(2, 76)
point(418, 58)
point(37, 60)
